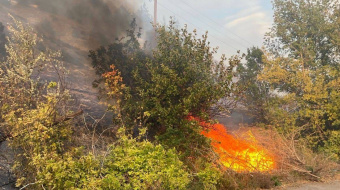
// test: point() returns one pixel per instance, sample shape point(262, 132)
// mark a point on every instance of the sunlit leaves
point(302, 66)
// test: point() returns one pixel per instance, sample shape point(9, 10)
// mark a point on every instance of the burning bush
point(160, 90)
point(238, 154)
point(241, 155)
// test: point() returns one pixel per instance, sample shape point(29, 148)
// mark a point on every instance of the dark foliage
point(255, 93)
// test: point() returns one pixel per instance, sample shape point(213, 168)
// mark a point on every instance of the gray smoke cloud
point(75, 27)
point(98, 22)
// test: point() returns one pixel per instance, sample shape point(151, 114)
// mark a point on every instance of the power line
point(228, 45)
point(214, 28)
point(218, 24)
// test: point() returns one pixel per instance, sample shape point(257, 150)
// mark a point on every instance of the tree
point(307, 30)
point(255, 92)
point(302, 64)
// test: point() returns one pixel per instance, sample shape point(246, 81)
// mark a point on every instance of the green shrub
point(128, 164)
point(209, 178)
point(133, 164)
point(35, 135)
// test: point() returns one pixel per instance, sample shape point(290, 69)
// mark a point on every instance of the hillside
point(74, 39)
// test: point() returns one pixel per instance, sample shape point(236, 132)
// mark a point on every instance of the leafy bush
point(142, 165)
point(181, 78)
point(20, 84)
point(209, 178)
point(128, 164)
point(35, 134)
point(27, 116)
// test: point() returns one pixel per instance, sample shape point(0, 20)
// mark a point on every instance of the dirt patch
point(7, 181)
point(334, 185)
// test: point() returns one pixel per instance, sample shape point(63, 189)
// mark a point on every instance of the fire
point(241, 155)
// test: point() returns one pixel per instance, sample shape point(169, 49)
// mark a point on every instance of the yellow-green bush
point(44, 160)
point(142, 165)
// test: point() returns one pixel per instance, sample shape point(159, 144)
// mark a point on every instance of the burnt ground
point(7, 181)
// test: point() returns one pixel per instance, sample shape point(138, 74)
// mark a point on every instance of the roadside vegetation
point(291, 86)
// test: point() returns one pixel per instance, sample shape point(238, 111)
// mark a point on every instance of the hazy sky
point(232, 24)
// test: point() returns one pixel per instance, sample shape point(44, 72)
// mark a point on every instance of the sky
point(232, 24)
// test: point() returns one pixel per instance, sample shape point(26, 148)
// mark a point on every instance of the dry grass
point(294, 161)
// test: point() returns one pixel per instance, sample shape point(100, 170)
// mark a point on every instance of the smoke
point(98, 22)
point(75, 27)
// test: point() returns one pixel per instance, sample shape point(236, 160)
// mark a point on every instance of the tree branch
point(68, 117)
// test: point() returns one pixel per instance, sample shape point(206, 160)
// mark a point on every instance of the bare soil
point(333, 185)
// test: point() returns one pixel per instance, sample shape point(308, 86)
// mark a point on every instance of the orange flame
point(238, 154)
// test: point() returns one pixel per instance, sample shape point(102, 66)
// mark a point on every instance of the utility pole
point(155, 13)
